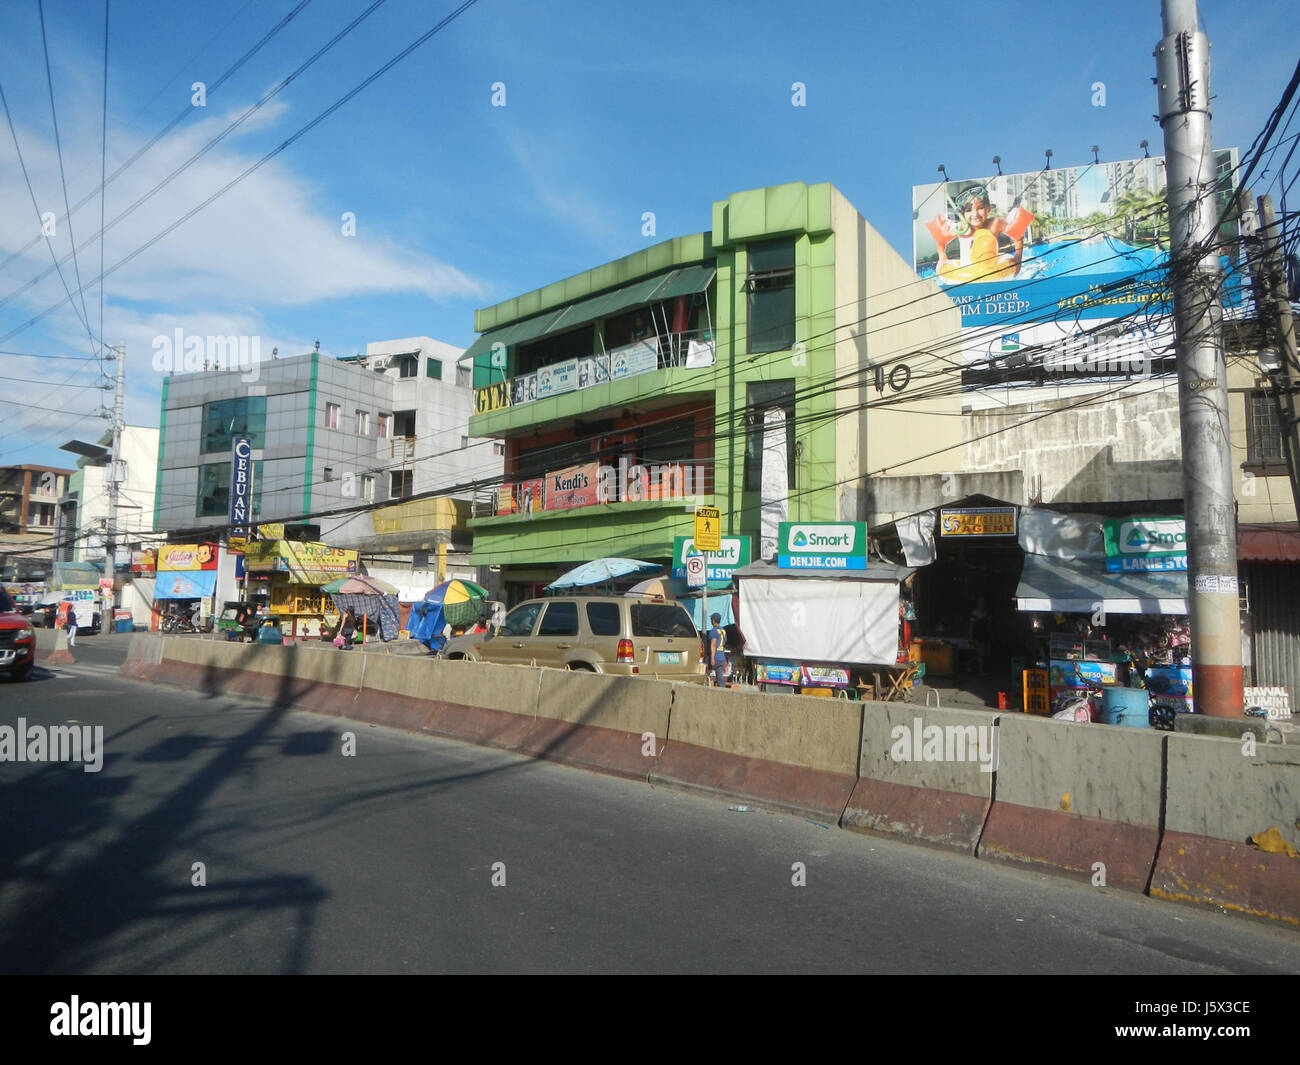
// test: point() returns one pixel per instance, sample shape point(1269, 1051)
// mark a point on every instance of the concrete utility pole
point(1183, 77)
point(1273, 306)
point(110, 539)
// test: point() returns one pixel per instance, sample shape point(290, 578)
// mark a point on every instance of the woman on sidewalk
point(348, 629)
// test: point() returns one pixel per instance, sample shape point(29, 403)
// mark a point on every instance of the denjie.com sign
point(822, 545)
point(733, 554)
point(1145, 544)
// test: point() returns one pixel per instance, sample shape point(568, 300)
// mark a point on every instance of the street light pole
point(1183, 77)
point(110, 540)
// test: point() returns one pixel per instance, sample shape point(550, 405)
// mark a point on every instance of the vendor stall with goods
point(822, 620)
point(296, 573)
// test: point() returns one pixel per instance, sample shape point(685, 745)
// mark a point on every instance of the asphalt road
point(384, 861)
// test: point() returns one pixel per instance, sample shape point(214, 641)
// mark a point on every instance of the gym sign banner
point(822, 545)
point(1139, 544)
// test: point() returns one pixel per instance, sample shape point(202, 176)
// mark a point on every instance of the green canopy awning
point(515, 333)
point(637, 294)
point(683, 281)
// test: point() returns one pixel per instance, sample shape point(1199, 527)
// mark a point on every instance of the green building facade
point(732, 368)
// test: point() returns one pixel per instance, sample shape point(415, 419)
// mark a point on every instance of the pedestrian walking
point(348, 629)
point(72, 624)
point(718, 651)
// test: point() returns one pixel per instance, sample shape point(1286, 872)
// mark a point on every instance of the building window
point(770, 284)
point(399, 484)
point(214, 490)
point(225, 419)
point(407, 365)
point(368, 488)
point(666, 442)
point(763, 397)
point(433, 368)
point(498, 448)
point(1263, 430)
point(363, 423)
point(331, 415)
point(385, 426)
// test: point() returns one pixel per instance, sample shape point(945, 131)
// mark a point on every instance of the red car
point(17, 640)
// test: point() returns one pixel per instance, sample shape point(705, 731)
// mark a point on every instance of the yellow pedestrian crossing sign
point(708, 529)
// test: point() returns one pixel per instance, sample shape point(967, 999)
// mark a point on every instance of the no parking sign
point(695, 571)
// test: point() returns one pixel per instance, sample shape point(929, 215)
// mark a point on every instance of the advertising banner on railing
point(520, 497)
point(593, 371)
point(574, 486)
point(558, 378)
point(523, 389)
point(492, 397)
point(637, 358)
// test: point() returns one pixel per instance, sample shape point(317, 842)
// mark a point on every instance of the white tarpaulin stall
point(852, 619)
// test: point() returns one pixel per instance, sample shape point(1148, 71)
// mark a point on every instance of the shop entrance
point(966, 598)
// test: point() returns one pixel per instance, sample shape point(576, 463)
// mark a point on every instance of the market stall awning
point(186, 584)
point(1078, 585)
point(1269, 543)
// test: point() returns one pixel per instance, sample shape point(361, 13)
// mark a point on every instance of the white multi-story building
point(86, 507)
point(328, 435)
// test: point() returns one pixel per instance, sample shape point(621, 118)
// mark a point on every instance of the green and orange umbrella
point(461, 600)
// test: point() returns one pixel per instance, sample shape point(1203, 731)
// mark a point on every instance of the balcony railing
point(401, 447)
point(690, 349)
point(591, 484)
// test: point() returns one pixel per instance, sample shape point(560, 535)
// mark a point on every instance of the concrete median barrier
point(474, 701)
point(925, 774)
point(611, 724)
point(143, 654)
point(1220, 794)
point(786, 752)
point(1086, 799)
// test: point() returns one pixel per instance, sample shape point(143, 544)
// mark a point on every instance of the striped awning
point(1269, 543)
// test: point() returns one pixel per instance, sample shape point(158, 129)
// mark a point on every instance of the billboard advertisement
point(180, 558)
point(1061, 276)
point(574, 486)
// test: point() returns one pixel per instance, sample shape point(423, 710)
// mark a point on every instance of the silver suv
point(620, 636)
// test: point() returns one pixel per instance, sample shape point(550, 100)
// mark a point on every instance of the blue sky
point(612, 109)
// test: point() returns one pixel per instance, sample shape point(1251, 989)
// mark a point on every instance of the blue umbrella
point(602, 570)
